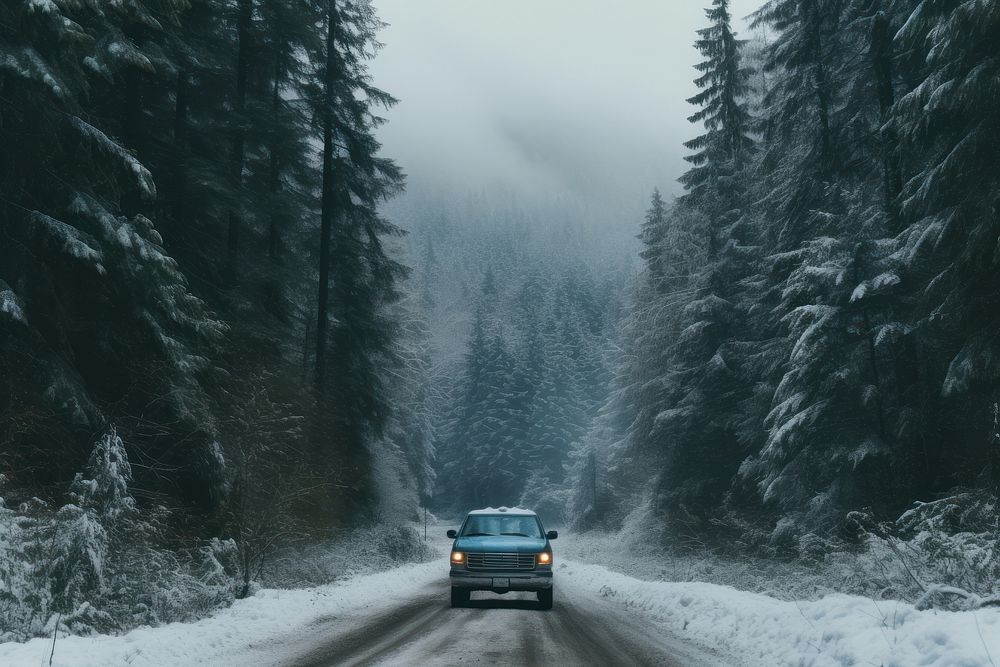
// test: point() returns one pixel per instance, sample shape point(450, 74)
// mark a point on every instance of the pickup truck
point(501, 550)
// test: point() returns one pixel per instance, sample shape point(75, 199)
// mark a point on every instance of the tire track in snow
point(582, 629)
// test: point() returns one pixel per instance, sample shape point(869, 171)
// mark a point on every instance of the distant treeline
point(818, 326)
point(522, 300)
point(191, 252)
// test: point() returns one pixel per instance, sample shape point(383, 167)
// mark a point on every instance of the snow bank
point(753, 629)
point(261, 630)
point(837, 630)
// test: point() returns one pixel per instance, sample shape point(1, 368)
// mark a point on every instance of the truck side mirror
point(452, 534)
point(552, 534)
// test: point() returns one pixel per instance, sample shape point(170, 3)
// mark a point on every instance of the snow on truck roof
point(518, 511)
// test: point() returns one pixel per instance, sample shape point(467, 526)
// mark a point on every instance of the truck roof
point(516, 511)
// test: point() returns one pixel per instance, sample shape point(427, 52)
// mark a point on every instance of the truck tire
point(459, 596)
point(545, 598)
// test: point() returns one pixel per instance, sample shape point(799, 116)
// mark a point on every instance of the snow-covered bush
point(22, 593)
point(944, 553)
point(52, 564)
point(76, 569)
point(98, 563)
point(940, 553)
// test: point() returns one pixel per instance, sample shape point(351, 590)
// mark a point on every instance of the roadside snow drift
point(837, 630)
point(265, 629)
point(751, 629)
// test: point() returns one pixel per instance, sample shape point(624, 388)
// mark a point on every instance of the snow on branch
point(72, 241)
point(143, 179)
point(874, 286)
point(27, 64)
point(43, 7)
point(126, 53)
point(10, 304)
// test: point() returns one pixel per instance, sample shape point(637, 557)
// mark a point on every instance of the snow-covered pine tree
point(801, 139)
point(493, 470)
point(714, 182)
point(411, 431)
point(357, 274)
point(829, 437)
point(72, 257)
point(470, 396)
point(639, 391)
point(278, 173)
point(99, 514)
point(862, 283)
point(590, 497)
point(558, 415)
point(25, 594)
point(702, 392)
point(832, 320)
point(949, 132)
point(653, 234)
point(131, 57)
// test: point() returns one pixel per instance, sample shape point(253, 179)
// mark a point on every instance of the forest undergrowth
point(100, 564)
point(940, 554)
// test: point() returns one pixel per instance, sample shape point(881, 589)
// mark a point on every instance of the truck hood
point(499, 544)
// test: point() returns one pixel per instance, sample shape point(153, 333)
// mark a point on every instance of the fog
point(554, 100)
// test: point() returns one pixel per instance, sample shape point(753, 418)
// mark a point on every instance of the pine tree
point(950, 208)
point(219, 106)
point(91, 525)
point(356, 289)
point(801, 136)
point(495, 466)
point(81, 247)
point(713, 184)
point(697, 414)
point(558, 414)
point(834, 327)
point(237, 155)
point(471, 396)
point(412, 428)
point(838, 414)
point(829, 435)
point(481, 458)
point(653, 235)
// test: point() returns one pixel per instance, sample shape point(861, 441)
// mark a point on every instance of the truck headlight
point(457, 557)
point(544, 558)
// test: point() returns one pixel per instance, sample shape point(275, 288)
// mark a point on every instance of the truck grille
point(501, 561)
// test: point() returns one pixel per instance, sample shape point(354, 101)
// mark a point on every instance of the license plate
point(501, 582)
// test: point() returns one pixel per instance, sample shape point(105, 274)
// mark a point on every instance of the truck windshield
point(488, 525)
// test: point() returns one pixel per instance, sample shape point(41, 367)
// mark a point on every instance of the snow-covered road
point(582, 629)
point(402, 617)
point(398, 617)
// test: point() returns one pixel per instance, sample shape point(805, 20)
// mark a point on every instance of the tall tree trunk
point(823, 105)
point(245, 10)
point(827, 147)
point(133, 127)
point(994, 444)
point(881, 55)
point(180, 145)
point(274, 167)
point(883, 431)
point(326, 215)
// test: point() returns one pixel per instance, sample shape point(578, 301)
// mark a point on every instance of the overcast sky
point(551, 98)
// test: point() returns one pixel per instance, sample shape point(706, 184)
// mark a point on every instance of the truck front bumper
point(493, 580)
